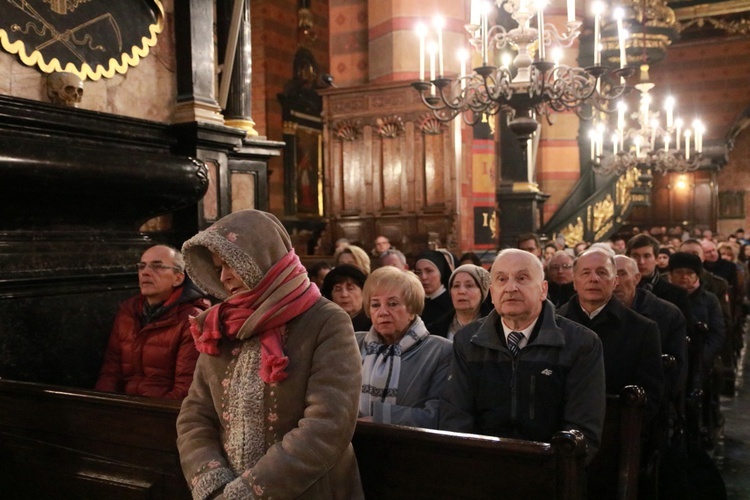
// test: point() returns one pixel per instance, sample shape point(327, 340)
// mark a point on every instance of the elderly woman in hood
point(273, 403)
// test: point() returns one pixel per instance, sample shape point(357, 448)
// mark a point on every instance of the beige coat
point(297, 434)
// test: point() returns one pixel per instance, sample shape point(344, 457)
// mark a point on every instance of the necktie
point(513, 339)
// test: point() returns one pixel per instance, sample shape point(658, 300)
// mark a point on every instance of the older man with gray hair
point(523, 372)
point(671, 322)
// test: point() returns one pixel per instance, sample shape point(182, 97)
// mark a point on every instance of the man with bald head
point(667, 316)
point(632, 345)
point(151, 351)
point(523, 372)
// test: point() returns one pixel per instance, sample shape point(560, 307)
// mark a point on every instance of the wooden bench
point(614, 471)
point(66, 443)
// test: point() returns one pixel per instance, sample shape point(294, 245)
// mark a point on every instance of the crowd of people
point(274, 375)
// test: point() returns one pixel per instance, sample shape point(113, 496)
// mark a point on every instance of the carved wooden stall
point(390, 168)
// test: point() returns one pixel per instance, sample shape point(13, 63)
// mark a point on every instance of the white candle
point(654, 127)
point(571, 10)
point(637, 141)
point(621, 108)
point(669, 106)
point(475, 12)
point(421, 32)
point(592, 136)
point(666, 142)
point(678, 135)
point(621, 35)
point(463, 56)
point(615, 140)
point(484, 35)
point(687, 144)
point(598, 9)
point(540, 22)
point(432, 50)
point(439, 22)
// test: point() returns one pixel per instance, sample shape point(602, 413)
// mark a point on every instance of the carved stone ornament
point(390, 127)
point(430, 125)
point(347, 130)
point(65, 89)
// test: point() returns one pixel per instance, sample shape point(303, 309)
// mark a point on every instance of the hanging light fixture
point(646, 138)
point(532, 85)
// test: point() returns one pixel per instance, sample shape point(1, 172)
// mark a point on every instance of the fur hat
point(684, 260)
point(339, 274)
point(480, 275)
point(250, 241)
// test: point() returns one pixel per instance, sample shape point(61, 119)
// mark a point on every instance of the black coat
point(672, 328)
point(435, 308)
point(632, 349)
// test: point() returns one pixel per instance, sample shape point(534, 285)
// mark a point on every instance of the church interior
point(126, 126)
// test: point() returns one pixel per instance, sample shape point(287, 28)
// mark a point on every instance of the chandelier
point(652, 143)
point(533, 84)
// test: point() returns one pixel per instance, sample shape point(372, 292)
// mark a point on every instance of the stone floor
point(735, 466)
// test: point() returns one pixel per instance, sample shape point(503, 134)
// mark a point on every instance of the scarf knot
point(283, 294)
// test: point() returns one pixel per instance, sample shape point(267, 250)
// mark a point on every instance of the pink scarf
point(284, 293)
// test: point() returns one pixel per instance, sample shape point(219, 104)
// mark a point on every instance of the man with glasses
point(560, 278)
point(150, 350)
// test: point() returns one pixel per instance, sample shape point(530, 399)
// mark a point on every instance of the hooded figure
point(273, 404)
point(433, 270)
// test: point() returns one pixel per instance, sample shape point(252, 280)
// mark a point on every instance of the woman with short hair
point(404, 368)
point(343, 286)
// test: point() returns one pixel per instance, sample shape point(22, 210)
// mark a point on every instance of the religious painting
point(732, 205)
point(305, 170)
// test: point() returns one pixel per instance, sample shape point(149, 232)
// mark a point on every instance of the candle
point(463, 56)
point(615, 140)
point(475, 12)
point(654, 128)
point(571, 10)
point(598, 9)
point(556, 55)
point(621, 35)
point(438, 22)
point(698, 127)
point(666, 142)
point(484, 34)
point(687, 144)
point(421, 32)
point(678, 135)
point(621, 108)
point(540, 22)
point(669, 106)
point(432, 50)
point(637, 141)
point(592, 136)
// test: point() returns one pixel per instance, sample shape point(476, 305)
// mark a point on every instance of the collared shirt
point(595, 312)
point(437, 293)
point(526, 333)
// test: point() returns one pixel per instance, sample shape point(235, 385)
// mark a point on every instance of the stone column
point(238, 110)
point(196, 67)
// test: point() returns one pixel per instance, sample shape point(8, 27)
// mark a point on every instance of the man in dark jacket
point(151, 351)
point(669, 318)
point(632, 345)
point(524, 372)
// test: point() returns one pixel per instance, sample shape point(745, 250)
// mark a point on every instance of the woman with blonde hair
point(404, 368)
point(353, 255)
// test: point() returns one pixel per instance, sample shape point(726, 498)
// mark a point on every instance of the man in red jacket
point(151, 351)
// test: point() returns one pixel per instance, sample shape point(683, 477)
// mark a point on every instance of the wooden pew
point(613, 472)
point(404, 462)
point(64, 443)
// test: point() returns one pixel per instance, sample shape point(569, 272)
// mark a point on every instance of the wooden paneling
point(387, 158)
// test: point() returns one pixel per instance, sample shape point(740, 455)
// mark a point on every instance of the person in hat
point(468, 286)
point(273, 404)
point(343, 285)
point(433, 271)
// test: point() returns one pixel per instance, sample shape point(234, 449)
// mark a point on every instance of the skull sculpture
point(64, 88)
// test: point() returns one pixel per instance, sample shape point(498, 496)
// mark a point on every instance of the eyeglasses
point(155, 266)
point(558, 268)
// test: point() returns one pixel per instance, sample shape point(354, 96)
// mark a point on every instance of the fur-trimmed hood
point(250, 241)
